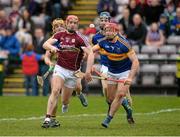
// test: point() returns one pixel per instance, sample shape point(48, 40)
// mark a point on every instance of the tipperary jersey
point(95, 40)
point(116, 52)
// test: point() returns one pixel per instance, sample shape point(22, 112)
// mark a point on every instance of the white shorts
point(66, 75)
point(119, 76)
point(104, 70)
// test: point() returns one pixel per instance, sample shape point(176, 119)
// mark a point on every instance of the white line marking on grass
point(90, 115)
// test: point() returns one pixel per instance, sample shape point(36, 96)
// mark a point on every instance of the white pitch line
point(90, 115)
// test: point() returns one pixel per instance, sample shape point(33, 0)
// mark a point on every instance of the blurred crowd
point(20, 18)
point(147, 22)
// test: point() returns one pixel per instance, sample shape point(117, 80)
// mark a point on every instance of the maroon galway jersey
point(71, 53)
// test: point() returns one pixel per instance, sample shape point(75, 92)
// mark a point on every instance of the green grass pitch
point(154, 116)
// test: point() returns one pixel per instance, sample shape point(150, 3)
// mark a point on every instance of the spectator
point(30, 69)
point(164, 25)
point(107, 5)
point(11, 45)
point(136, 33)
point(121, 5)
point(56, 8)
point(65, 6)
point(10, 42)
point(170, 11)
point(154, 36)
point(134, 9)
point(153, 11)
point(175, 25)
point(25, 28)
point(39, 40)
point(3, 19)
point(25, 23)
point(33, 7)
point(125, 20)
point(121, 30)
point(14, 15)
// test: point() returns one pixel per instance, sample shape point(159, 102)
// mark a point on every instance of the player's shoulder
point(122, 37)
point(81, 36)
point(59, 33)
point(98, 37)
point(123, 40)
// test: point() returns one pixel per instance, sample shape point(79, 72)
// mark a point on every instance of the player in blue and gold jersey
point(98, 37)
point(122, 64)
point(104, 17)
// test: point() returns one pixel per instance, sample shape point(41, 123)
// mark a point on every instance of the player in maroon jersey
point(58, 25)
point(70, 55)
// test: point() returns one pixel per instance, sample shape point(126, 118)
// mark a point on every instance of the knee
point(120, 95)
point(110, 99)
point(55, 92)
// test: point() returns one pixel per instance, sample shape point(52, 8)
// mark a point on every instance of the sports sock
point(125, 104)
point(109, 118)
point(48, 117)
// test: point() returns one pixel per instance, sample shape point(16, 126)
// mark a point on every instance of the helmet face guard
point(104, 18)
point(72, 23)
point(105, 15)
point(111, 29)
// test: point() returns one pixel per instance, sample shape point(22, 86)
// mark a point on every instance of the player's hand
point(54, 49)
point(88, 77)
point(128, 81)
point(51, 64)
point(93, 68)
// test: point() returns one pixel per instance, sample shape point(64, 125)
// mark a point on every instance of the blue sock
point(109, 117)
point(125, 104)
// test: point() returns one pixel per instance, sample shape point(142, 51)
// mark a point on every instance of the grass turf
point(154, 116)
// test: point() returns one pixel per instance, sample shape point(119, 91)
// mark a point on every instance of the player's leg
point(121, 91)
point(129, 98)
point(67, 91)
point(65, 98)
point(80, 95)
point(111, 91)
point(104, 71)
point(104, 87)
point(57, 84)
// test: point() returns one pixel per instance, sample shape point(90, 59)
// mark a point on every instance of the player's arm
point(96, 48)
point(134, 68)
point(48, 45)
point(47, 59)
point(90, 61)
